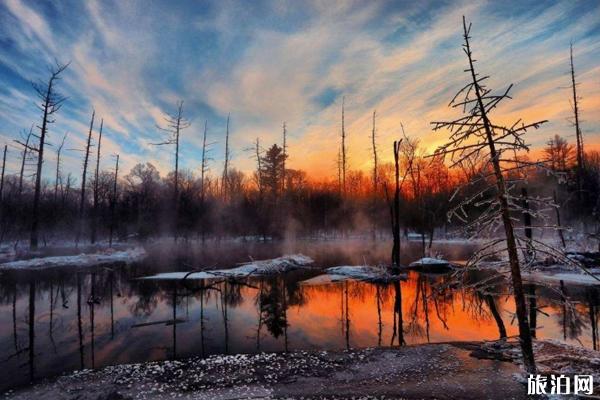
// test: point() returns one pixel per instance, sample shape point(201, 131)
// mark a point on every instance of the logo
point(560, 384)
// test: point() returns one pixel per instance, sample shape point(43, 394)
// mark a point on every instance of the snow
point(81, 260)
point(262, 267)
point(429, 261)
point(364, 273)
point(428, 371)
point(324, 280)
point(567, 277)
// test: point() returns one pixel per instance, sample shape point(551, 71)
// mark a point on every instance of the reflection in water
point(79, 324)
point(135, 321)
point(31, 330)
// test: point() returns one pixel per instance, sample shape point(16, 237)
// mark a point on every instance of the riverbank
point(441, 371)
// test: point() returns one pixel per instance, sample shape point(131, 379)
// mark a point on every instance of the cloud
point(277, 61)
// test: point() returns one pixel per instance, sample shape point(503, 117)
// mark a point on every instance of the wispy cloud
point(272, 61)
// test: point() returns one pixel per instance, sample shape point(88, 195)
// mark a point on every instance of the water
point(62, 320)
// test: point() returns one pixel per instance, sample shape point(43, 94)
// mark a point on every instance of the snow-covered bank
point(254, 268)
point(441, 371)
point(106, 257)
point(573, 278)
point(551, 357)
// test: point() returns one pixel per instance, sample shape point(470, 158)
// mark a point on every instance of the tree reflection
point(273, 307)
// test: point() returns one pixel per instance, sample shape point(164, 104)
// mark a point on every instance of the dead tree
point(375, 178)
point(24, 154)
point(2, 225)
point(51, 102)
point(339, 170)
point(96, 182)
point(558, 223)
point(578, 136)
point(113, 203)
point(259, 169)
point(396, 207)
point(475, 133)
point(2, 174)
point(57, 178)
point(225, 178)
point(86, 158)
point(203, 172)
point(175, 123)
point(343, 149)
point(284, 157)
point(374, 148)
point(204, 167)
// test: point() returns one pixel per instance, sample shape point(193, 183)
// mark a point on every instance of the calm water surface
point(62, 320)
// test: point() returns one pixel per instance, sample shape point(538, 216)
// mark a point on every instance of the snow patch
point(324, 279)
point(567, 277)
point(429, 261)
point(81, 260)
point(364, 273)
point(262, 267)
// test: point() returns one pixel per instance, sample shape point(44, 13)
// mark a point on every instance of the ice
point(81, 260)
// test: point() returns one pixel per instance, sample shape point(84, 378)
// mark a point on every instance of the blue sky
point(267, 62)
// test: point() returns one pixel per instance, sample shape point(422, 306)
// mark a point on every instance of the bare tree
point(259, 169)
point(396, 208)
point(374, 148)
point(343, 149)
point(204, 167)
point(578, 136)
point(96, 182)
point(339, 170)
point(86, 158)
point(58, 178)
point(113, 203)
point(475, 133)
point(375, 178)
point(2, 174)
point(175, 124)
point(283, 183)
point(225, 178)
point(51, 102)
point(25, 145)
point(203, 173)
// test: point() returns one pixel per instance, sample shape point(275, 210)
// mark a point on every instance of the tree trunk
point(519, 295)
point(83, 180)
point(96, 176)
point(515, 270)
point(396, 210)
point(558, 223)
point(113, 204)
point(33, 239)
point(527, 224)
point(2, 175)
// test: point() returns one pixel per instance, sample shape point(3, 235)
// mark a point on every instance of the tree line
point(413, 193)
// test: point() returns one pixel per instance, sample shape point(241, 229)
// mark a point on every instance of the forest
point(275, 200)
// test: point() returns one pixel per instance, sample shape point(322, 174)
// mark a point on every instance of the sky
point(269, 62)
